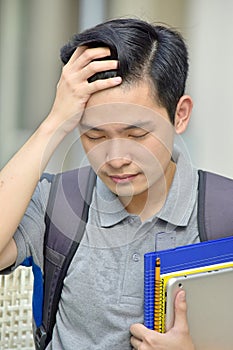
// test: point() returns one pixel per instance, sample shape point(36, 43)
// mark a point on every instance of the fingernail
point(118, 79)
point(182, 296)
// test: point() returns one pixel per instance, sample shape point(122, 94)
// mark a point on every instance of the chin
point(128, 191)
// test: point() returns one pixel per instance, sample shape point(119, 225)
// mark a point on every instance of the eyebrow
point(137, 125)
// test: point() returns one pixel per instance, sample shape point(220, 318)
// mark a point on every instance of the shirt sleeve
point(29, 237)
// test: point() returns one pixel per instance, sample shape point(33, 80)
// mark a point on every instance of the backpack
point(70, 197)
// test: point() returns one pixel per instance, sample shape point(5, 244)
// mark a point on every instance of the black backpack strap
point(66, 217)
point(215, 206)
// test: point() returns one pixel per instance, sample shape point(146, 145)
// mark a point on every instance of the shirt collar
point(178, 206)
point(110, 209)
point(182, 195)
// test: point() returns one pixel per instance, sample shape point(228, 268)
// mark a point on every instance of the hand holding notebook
point(184, 261)
point(178, 338)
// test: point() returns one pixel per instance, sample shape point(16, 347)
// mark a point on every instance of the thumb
point(181, 321)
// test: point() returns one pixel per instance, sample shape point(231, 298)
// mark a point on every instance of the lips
point(123, 178)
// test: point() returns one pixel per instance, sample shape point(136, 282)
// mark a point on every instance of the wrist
point(51, 128)
point(59, 125)
point(45, 141)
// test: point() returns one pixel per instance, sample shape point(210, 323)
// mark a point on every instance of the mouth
point(123, 178)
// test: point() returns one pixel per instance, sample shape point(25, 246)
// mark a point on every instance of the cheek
point(156, 160)
point(96, 155)
point(161, 146)
point(159, 150)
point(161, 154)
point(93, 153)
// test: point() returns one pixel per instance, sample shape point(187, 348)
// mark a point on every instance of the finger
point(139, 331)
point(90, 54)
point(98, 66)
point(135, 342)
point(103, 84)
point(77, 53)
point(181, 321)
point(136, 330)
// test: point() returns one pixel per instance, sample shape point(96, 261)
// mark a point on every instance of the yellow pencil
point(157, 296)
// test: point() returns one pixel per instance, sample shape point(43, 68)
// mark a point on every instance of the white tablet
point(209, 298)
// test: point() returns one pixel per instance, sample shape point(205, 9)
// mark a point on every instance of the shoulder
point(215, 205)
point(66, 186)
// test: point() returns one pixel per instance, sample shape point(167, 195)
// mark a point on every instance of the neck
point(148, 203)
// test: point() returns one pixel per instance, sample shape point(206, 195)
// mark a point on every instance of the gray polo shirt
point(103, 289)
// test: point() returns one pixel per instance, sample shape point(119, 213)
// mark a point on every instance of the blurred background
point(31, 35)
point(33, 31)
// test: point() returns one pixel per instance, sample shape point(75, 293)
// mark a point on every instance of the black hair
point(144, 51)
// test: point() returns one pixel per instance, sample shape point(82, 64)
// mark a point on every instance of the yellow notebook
point(161, 285)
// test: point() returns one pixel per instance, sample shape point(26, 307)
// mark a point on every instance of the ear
point(183, 113)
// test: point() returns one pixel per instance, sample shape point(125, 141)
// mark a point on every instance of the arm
point(177, 338)
point(19, 177)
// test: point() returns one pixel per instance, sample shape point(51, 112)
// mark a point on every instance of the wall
point(210, 29)
point(32, 33)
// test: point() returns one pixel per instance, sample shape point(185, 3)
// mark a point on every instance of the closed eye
point(101, 137)
point(139, 136)
point(94, 138)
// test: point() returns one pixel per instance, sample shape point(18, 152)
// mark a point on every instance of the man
point(123, 86)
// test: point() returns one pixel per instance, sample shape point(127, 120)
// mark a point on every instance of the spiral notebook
point(183, 258)
point(170, 283)
point(209, 307)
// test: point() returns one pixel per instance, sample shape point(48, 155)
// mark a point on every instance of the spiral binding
point(159, 307)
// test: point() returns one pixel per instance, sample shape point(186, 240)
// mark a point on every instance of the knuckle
point(100, 84)
point(88, 54)
point(97, 84)
point(65, 74)
point(65, 69)
point(67, 82)
point(94, 66)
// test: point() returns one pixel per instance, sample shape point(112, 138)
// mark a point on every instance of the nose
point(117, 154)
point(118, 163)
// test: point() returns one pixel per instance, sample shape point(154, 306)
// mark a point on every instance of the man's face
point(128, 139)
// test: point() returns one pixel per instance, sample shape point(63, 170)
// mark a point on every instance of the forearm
point(19, 177)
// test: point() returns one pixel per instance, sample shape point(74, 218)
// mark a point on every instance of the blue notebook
point(181, 258)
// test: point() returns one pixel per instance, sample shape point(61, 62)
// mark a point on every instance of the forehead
point(122, 113)
point(124, 104)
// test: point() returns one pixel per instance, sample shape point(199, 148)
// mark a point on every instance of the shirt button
point(136, 257)
point(130, 220)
